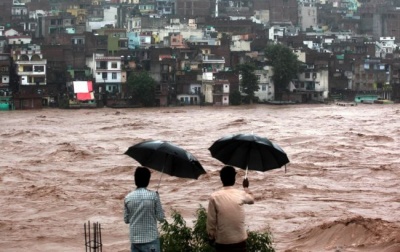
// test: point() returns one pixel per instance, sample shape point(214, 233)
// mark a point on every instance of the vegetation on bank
point(141, 87)
point(177, 236)
point(285, 65)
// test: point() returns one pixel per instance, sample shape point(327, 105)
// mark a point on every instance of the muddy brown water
point(340, 192)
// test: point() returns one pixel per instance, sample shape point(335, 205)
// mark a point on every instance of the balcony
point(212, 59)
point(220, 92)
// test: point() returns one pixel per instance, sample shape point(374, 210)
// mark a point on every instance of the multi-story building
point(147, 7)
point(308, 16)
point(116, 39)
point(19, 11)
point(4, 72)
point(79, 13)
point(165, 7)
point(283, 10)
point(50, 25)
point(107, 73)
point(30, 67)
point(5, 91)
point(213, 63)
point(221, 90)
point(193, 8)
point(214, 91)
point(174, 40)
point(265, 83)
point(371, 74)
point(313, 84)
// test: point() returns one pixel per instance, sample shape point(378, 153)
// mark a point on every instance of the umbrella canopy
point(167, 158)
point(248, 151)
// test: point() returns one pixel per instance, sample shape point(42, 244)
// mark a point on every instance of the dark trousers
point(234, 247)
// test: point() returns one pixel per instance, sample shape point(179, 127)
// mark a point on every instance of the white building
point(386, 45)
point(30, 65)
point(107, 73)
point(266, 86)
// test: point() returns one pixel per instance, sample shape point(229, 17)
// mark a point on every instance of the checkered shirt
point(142, 210)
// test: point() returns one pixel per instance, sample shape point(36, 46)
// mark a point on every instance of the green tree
point(142, 88)
point(235, 98)
point(285, 64)
point(249, 81)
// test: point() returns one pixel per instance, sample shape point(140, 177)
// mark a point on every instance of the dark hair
point(227, 175)
point(142, 176)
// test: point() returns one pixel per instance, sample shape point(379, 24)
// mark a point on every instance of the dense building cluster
point(80, 53)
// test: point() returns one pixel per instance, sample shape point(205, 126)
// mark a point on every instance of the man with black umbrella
point(225, 215)
point(142, 210)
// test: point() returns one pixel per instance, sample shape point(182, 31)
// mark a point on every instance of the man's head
point(228, 175)
point(142, 176)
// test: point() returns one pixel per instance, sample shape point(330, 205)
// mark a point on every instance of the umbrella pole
point(159, 181)
point(245, 175)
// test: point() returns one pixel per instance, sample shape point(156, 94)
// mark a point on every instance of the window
point(114, 76)
point(52, 30)
point(307, 75)
point(39, 80)
point(101, 64)
point(263, 87)
point(114, 65)
point(104, 76)
point(27, 68)
point(38, 68)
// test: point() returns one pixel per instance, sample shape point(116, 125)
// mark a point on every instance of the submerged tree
point(249, 81)
point(285, 65)
point(142, 87)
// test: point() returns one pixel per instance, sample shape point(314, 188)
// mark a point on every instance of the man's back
point(142, 210)
point(226, 216)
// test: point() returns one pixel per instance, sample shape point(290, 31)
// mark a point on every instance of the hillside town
point(80, 53)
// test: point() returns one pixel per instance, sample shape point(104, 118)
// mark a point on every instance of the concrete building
point(308, 16)
point(107, 73)
point(194, 8)
point(30, 65)
point(50, 25)
point(266, 86)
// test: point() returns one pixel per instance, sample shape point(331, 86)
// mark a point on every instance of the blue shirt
point(142, 210)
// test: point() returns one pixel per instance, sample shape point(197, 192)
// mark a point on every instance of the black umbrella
point(167, 158)
point(249, 151)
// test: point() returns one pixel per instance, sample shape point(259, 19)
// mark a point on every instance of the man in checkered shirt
point(142, 211)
